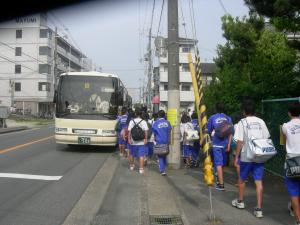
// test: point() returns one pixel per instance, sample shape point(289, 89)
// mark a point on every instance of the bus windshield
point(87, 96)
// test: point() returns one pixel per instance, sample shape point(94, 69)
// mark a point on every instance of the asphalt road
point(42, 202)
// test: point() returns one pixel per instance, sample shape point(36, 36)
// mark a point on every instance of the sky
point(114, 34)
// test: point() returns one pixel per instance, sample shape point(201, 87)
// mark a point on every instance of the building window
point(18, 51)
point(44, 50)
point(44, 86)
point(18, 33)
point(185, 87)
point(165, 87)
point(18, 86)
point(44, 68)
point(18, 69)
point(185, 68)
point(186, 49)
point(43, 33)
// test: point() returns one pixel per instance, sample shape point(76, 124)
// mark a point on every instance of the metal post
point(12, 91)
point(173, 80)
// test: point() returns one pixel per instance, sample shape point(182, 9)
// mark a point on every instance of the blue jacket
point(161, 129)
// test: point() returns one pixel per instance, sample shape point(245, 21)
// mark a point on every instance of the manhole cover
point(170, 220)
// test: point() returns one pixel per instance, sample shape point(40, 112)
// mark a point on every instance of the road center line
point(24, 145)
point(29, 176)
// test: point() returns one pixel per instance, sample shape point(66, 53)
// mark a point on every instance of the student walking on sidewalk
point(137, 137)
point(162, 130)
point(221, 141)
point(247, 127)
point(123, 126)
point(291, 131)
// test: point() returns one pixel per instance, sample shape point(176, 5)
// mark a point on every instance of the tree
point(283, 14)
point(255, 62)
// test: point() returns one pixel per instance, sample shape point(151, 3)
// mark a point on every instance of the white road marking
point(29, 176)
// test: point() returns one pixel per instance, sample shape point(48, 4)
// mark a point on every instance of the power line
point(26, 53)
point(16, 63)
point(161, 12)
point(182, 15)
point(153, 8)
point(194, 20)
point(223, 7)
point(191, 17)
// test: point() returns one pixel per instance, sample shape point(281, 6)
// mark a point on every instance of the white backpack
point(192, 134)
point(259, 149)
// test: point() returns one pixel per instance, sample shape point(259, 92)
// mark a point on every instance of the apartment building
point(187, 97)
point(29, 51)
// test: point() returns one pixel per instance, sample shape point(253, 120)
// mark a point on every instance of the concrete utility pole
point(173, 80)
point(55, 59)
point(149, 91)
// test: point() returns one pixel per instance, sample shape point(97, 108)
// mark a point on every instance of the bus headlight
point(61, 130)
point(108, 132)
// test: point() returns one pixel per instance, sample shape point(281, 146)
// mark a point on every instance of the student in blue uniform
point(162, 129)
point(130, 117)
point(122, 120)
point(221, 146)
point(187, 145)
point(196, 147)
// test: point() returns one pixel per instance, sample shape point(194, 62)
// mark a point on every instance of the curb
point(12, 129)
point(91, 200)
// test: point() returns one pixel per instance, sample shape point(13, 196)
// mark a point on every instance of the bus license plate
point(84, 140)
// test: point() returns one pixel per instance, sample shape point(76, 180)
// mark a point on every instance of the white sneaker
point(131, 167)
point(258, 213)
point(141, 171)
point(238, 204)
point(291, 209)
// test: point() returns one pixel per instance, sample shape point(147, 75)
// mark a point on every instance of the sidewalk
point(181, 195)
point(193, 197)
point(13, 125)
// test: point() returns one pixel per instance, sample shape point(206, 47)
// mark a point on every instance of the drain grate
point(168, 220)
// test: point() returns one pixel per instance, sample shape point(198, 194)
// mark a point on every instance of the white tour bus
point(87, 104)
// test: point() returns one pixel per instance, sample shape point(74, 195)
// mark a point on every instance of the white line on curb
point(29, 176)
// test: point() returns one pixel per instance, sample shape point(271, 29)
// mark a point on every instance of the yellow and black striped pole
point(205, 141)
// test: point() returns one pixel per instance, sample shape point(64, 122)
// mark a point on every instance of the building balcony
point(183, 77)
point(185, 96)
point(183, 58)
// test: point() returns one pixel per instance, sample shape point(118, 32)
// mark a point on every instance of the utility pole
point(55, 59)
point(149, 91)
point(173, 80)
point(55, 71)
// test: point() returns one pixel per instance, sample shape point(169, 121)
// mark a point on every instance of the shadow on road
point(86, 148)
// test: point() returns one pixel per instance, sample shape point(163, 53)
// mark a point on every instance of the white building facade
point(27, 63)
point(187, 98)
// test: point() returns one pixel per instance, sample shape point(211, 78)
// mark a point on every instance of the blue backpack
point(224, 129)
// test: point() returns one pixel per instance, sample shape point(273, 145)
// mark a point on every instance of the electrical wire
point(36, 59)
point(223, 7)
point(161, 12)
point(194, 20)
point(14, 62)
point(183, 19)
point(152, 16)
